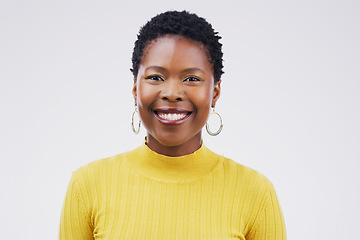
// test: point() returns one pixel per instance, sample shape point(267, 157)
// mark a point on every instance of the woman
point(172, 187)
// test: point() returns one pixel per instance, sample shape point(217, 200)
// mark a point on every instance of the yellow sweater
point(144, 195)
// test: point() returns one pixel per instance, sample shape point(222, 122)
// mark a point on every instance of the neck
point(186, 168)
point(177, 150)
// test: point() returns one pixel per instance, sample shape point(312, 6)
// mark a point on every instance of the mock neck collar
point(185, 168)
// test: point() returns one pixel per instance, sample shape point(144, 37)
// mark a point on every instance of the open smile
point(172, 116)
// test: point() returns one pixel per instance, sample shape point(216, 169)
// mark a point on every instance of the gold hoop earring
point(220, 128)
point(132, 121)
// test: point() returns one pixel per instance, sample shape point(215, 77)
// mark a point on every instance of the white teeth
point(172, 116)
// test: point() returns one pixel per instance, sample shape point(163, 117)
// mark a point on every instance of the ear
point(216, 93)
point(134, 92)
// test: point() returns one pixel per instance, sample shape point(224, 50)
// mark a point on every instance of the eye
point(155, 78)
point(191, 79)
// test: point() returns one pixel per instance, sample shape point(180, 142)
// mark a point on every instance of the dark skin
point(174, 91)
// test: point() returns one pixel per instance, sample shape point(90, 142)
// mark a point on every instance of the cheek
point(202, 102)
point(202, 99)
point(145, 95)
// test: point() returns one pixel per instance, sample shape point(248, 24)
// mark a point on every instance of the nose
point(172, 91)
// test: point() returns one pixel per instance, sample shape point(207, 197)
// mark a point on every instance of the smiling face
point(174, 90)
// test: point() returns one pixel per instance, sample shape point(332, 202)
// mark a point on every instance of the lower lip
point(172, 122)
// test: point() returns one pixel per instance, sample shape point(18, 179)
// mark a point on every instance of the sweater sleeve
point(269, 223)
point(75, 221)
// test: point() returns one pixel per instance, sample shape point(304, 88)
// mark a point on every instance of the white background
point(290, 103)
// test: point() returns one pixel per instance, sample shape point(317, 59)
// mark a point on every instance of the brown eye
point(155, 78)
point(192, 79)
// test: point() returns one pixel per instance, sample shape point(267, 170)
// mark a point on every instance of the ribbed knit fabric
point(144, 195)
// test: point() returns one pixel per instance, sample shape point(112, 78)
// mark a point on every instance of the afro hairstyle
point(184, 24)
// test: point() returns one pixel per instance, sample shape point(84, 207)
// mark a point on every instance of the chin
point(176, 139)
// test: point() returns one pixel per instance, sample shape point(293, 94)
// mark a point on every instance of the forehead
point(175, 50)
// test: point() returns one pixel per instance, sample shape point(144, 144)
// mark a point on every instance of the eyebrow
point(158, 68)
point(193, 70)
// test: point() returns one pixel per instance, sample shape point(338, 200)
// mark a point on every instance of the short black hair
point(185, 24)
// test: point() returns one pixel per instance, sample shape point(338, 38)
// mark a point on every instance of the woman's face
point(174, 90)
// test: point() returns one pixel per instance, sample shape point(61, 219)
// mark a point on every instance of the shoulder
point(246, 180)
point(98, 166)
point(99, 171)
point(251, 191)
point(246, 173)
